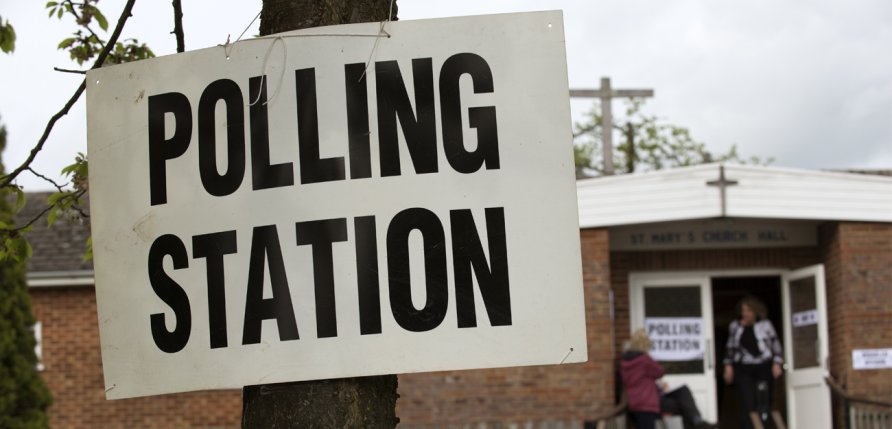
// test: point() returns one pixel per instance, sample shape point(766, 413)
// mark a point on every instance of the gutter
point(44, 279)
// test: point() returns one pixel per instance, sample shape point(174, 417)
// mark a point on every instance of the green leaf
point(100, 18)
point(28, 250)
point(9, 246)
point(88, 256)
point(54, 198)
point(7, 45)
point(66, 43)
point(51, 216)
point(60, 13)
point(7, 37)
point(20, 199)
point(51, 4)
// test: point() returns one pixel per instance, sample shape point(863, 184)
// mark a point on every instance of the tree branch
point(51, 181)
point(178, 25)
point(115, 34)
point(46, 210)
point(58, 69)
point(46, 133)
point(583, 130)
point(125, 14)
point(78, 17)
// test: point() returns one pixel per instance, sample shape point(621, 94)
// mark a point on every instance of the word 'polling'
point(394, 106)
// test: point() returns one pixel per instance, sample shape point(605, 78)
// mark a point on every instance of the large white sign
point(280, 209)
point(675, 338)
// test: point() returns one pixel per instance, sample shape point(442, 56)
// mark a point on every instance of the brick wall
point(530, 394)
point(73, 372)
point(858, 264)
point(576, 392)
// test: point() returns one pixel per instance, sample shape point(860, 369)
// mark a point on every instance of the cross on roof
point(722, 183)
point(606, 93)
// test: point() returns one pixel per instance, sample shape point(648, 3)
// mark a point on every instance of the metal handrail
point(841, 391)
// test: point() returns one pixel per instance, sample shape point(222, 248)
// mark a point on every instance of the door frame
point(637, 280)
point(796, 378)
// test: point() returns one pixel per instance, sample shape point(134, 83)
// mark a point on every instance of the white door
point(676, 310)
point(806, 348)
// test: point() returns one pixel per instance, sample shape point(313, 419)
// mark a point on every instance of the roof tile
point(57, 248)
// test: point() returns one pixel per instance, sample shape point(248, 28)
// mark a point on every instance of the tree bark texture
point(286, 15)
point(362, 402)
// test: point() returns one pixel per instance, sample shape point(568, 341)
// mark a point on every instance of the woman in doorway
point(753, 359)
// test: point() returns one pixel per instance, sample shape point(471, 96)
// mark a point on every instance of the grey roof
point(60, 247)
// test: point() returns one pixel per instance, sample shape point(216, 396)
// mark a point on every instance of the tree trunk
point(286, 15)
point(364, 402)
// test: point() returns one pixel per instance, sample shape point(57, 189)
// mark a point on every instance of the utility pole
point(606, 94)
point(362, 402)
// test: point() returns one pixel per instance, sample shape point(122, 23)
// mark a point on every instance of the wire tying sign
point(336, 202)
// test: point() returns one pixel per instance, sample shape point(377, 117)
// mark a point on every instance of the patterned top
point(770, 349)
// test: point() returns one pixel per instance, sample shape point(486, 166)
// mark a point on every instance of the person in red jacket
point(647, 397)
point(640, 373)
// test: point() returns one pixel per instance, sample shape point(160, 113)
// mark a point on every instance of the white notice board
point(872, 358)
point(332, 220)
point(675, 338)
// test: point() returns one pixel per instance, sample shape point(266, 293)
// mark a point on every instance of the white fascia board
point(783, 193)
point(48, 279)
point(666, 195)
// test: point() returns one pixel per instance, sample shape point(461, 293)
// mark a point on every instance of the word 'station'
point(287, 209)
point(320, 235)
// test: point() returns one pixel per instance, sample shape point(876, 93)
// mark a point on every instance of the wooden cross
point(606, 94)
point(722, 184)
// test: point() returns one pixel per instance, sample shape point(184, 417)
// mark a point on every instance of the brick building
point(683, 244)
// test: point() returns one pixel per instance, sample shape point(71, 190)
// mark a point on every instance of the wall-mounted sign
point(675, 338)
point(805, 318)
point(281, 209)
point(713, 234)
point(872, 359)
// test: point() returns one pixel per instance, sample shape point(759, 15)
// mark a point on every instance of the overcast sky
point(808, 82)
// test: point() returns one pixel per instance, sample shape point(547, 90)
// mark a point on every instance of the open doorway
point(726, 293)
